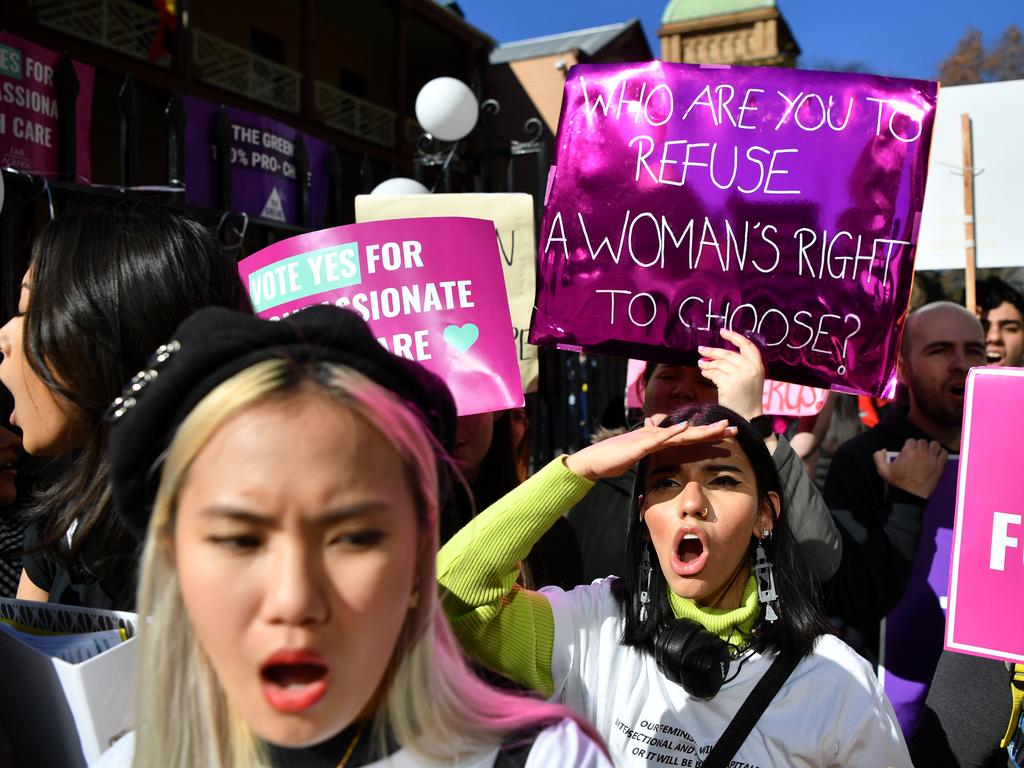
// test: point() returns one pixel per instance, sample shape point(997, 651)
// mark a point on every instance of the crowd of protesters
point(337, 571)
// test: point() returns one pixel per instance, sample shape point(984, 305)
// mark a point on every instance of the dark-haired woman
point(104, 289)
point(716, 594)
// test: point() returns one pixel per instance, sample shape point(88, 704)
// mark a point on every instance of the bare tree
point(970, 62)
point(1006, 60)
point(964, 64)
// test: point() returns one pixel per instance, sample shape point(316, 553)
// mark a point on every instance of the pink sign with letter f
point(987, 566)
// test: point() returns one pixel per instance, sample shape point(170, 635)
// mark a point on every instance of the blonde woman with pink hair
point(287, 479)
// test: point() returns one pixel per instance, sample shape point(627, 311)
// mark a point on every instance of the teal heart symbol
point(461, 338)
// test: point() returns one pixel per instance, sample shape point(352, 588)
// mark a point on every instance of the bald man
point(941, 342)
point(880, 515)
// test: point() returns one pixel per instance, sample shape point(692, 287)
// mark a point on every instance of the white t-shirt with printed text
point(562, 744)
point(830, 712)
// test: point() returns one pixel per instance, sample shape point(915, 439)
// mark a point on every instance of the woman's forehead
point(726, 451)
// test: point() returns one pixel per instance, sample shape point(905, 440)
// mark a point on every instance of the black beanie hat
point(213, 345)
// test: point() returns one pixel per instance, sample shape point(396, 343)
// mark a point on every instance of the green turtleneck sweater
point(511, 629)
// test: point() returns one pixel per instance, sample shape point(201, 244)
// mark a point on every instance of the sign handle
point(970, 241)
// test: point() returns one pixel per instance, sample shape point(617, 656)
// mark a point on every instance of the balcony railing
point(237, 70)
point(118, 24)
point(130, 29)
point(355, 116)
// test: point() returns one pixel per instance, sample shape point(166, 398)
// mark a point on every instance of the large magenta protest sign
point(987, 569)
point(780, 203)
point(264, 171)
point(431, 289)
point(28, 109)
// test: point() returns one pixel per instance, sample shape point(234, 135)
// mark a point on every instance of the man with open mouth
point(941, 343)
point(1001, 310)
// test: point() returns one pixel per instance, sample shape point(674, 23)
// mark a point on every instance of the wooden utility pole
point(970, 241)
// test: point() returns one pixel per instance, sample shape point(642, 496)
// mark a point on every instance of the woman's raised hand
point(615, 455)
point(739, 375)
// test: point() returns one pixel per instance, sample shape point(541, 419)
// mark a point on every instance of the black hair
point(800, 619)
point(108, 286)
point(992, 292)
point(498, 473)
point(555, 557)
point(524, 451)
point(649, 372)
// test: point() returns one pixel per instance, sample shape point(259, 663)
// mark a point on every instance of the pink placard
point(635, 384)
point(780, 398)
point(987, 568)
point(783, 398)
point(28, 109)
point(431, 289)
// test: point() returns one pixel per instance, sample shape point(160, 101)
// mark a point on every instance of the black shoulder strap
point(513, 757)
point(750, 712)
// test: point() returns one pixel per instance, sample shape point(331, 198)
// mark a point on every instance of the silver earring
point(645, 582)
point(765, 578)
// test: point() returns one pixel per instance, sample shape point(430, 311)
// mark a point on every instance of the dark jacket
point(965, 716)
point(880, 526)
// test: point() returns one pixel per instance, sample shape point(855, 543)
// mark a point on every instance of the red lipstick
point(294, 679)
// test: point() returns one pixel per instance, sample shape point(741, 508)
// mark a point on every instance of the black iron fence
point(576, 393)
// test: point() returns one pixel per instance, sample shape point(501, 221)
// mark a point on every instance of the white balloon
point(400, 186)
point(447, 109)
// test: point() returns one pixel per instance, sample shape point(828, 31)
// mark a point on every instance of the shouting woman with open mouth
point(288, 479)
point(711, 651)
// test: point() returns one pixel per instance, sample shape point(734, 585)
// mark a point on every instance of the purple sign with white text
point(782, 204)
point(263, 167)
point(431, 290)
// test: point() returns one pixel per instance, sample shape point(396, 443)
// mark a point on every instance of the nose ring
point(703, 514)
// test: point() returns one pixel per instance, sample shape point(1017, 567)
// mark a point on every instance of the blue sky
point(904, 38)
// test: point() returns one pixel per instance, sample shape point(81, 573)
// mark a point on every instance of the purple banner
point(263, 169)
point(28, 110)
point(912, 633)
point(779, 203)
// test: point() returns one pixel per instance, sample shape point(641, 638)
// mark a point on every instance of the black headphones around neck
point(690, 656)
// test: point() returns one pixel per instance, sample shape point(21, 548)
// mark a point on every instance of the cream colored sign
point(512, 215)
